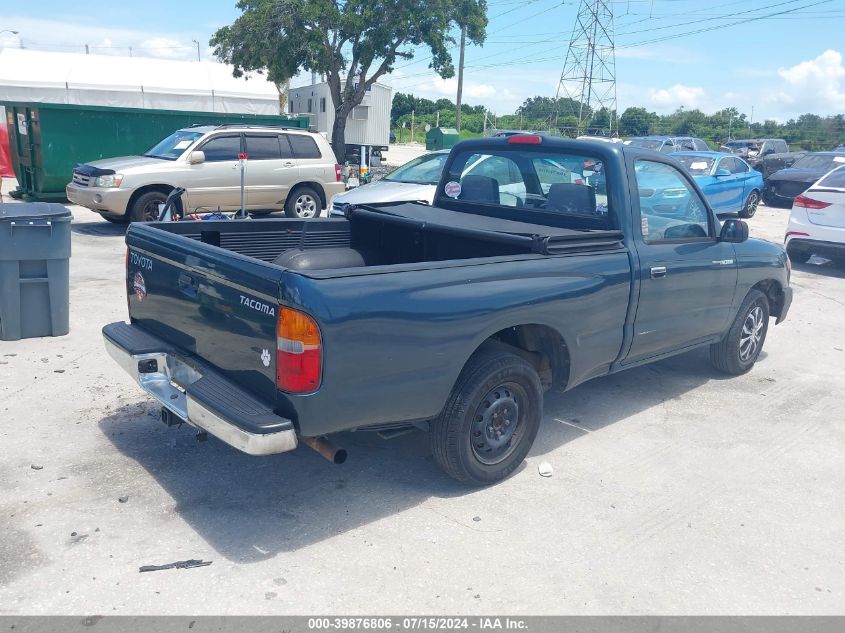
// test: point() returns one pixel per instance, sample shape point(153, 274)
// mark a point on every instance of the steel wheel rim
point(753, 202)
point(497, 424)
point(150, 211)
point(305, 206)
point(752, 334)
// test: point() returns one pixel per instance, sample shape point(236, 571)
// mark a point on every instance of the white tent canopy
point(131, 82)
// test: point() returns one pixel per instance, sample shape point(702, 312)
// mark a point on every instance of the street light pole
point(198, 49)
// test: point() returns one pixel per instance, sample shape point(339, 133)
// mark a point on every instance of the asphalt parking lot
point(674, 490)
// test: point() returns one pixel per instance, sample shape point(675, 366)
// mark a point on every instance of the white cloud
point(61, 35)
point(676, 96)
point(815, 85)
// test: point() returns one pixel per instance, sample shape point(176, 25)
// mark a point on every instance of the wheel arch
point(543, 346)
point(316, 186)
point(140, 191)
point(772, 289)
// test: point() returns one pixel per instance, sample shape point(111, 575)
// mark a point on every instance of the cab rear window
point(572, 185)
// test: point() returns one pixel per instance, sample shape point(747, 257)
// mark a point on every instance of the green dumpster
point(441, 138)
point(47, 140)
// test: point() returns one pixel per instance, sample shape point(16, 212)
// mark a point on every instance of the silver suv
point(285, 168)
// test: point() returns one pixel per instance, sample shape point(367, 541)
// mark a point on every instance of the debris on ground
point(179, 564)
point(545, 469)
point(36, 466)
point(476, 519)
point(123, 499)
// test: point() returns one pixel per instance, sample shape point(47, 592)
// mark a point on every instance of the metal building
point(368, 124)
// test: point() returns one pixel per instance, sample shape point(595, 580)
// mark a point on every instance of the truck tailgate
point(207, 301)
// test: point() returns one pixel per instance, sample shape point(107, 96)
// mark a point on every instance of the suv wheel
point(303, 203)
point(145, 207)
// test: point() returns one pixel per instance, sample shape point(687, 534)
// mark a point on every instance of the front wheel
point(738, 351)
point(490, 420)
point(751, 204)
point(146, 206)
point(303, 203)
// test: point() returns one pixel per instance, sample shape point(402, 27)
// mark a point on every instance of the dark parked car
point(769, 164)
point(753, 149)
point(564, 261)
point(669, 144)
point(783, 186)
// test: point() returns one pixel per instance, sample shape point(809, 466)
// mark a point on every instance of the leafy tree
point(352, 42)
point(636, 122)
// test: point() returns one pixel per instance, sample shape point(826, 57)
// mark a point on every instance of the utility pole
point(589, 71)
point(130, 51)
point(460, 77)
point(437, 121)
point(198, 49)
point(87, 52)
point(413, 138)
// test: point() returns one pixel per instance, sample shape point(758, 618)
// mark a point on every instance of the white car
point(817, 222)
point(414, 181)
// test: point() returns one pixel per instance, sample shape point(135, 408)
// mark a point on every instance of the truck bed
point(213, 289)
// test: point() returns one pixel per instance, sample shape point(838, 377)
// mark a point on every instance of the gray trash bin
point(34, 279)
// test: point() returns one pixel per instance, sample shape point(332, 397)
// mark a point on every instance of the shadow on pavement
point(98, 229)
point(821, 266)
point(251, 508)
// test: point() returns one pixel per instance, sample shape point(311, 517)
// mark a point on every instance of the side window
point(670, 210)
point(668, 147)
point(221, 148)
point(263, 147)
point(284, 146)
point(739, 167)
point(780, 147)
point(700, 145)
point(304, 146)
point(687, 145)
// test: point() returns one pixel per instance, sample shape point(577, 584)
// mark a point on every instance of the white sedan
point(817, 222)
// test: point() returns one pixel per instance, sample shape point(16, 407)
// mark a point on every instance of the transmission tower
point(589, 71)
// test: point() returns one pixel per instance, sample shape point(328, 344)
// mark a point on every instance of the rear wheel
point(751, 204)
point(490, 420)
point(303, 203)
point(146, 206)
point(797, 255)
point(738, 351)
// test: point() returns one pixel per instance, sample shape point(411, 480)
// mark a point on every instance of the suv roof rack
point(224, 126)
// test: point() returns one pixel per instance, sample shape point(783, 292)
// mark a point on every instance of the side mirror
point(723, 172)
point(196, 157)
point(734, 231)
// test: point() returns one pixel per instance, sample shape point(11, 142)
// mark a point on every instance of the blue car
point(729, 183)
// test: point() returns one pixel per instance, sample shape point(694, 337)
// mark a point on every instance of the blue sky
point(781, 66)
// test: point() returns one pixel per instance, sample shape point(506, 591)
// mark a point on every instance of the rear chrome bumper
point(198, 395)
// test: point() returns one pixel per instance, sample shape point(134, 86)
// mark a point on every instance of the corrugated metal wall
point(374, 130)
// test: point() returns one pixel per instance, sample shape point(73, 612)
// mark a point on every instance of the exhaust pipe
point(325, 448)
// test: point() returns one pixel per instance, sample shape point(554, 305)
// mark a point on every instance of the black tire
point(145, 207)
point(751, 203)
point(493, 391)
point(303, 202)
point(738, 351)
point(797, 255)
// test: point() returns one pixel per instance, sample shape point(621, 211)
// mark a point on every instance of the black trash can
point(34, 276)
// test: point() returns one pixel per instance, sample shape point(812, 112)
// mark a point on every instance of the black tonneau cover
point(542, 239)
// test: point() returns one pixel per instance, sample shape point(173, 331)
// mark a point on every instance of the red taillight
point(337, 175)
point(299, 353)
point(788, 233)
point(525, 139)
point(809, 203)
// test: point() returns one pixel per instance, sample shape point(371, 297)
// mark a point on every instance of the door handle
point(288, 164)
point(658, 271)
